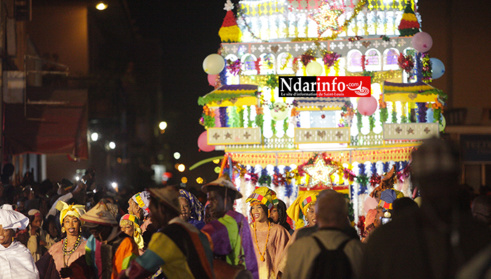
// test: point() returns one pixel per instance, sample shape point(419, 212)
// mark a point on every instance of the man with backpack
point(329, 252)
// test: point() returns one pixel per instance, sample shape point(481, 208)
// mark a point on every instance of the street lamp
point(94, 136)
point(162, 125)
point(177, 155)
point(101, 6)
point(112, 145)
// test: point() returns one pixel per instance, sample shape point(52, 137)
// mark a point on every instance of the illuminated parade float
point(294, 144)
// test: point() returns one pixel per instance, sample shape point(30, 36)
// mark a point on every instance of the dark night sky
point(189, 32)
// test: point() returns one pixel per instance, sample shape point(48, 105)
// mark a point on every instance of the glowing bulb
point(177, 155)
point(199, 180)
point(112, 145)
point(94, 136)
point(181, 167)
point(184, 180)
point(101, 6)
point(114, 185)
point(162, 125)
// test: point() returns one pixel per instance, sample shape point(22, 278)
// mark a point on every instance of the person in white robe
point(16, 261)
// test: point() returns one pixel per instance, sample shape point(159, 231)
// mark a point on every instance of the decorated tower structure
point(295, 144)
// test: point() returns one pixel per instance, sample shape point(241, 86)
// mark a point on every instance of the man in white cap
point(15, 259)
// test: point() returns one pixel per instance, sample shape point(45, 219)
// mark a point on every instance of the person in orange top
point(108, 250)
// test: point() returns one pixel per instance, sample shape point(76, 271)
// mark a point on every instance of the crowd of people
point(167, 232)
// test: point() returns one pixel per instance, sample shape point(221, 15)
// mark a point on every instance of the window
point(354, 61)
point(373, 60)
point(249, 65)
point(390, 59)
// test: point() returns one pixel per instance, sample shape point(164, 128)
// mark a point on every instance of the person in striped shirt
point(178, 247)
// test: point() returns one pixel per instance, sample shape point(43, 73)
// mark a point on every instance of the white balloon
point(314, 68)
point(213, 64)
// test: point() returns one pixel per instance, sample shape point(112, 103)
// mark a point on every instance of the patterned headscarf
point(137, 236)
point(265, 196)
point(298, 209)
point(194, 204)
point(143, 201)
point(75, 210)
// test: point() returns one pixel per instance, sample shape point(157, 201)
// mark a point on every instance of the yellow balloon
point(213, 64)
point(314, 68)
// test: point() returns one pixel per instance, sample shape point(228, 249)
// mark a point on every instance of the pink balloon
point(212, 79)
point(367, 105)
point(203, 143)
point(422, 41)
point(370, 203)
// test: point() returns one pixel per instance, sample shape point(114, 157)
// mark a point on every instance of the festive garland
point(223, 117)
point(249, 118)
point(359, 121)
point(208, 117)
point(394, 116)
point(273, 126)
point(402, 171)
point(384, 114)
point(405, 62)
point(426, 67)
point(307, 57)
point(234, 66)
point(285, 125)
point(234, 117)
point(259, 117)
point(272, 81)
point(222, 97)
point(264, 179)
point(422, 109)
point(371, 121)
point(347, 114)
point(362, 179)
point(330, 58)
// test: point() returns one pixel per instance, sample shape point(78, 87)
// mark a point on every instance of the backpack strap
point(319, 243)
point(340, 247)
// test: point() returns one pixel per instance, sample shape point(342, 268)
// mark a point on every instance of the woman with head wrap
point(269, 239)
point(304, 206)
point(130, 225)
point(66, 258)
point(15, 259)
point(191, 209)
point(138, 206)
